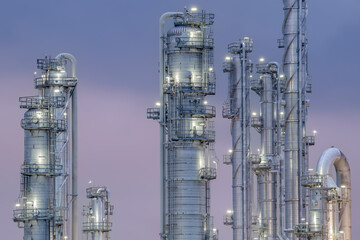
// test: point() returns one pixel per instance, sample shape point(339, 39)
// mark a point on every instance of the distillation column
point(266, 164)
point(294, 62)
point(42, 208)
point(97, 225)
point(187, 76)
point(237, 108)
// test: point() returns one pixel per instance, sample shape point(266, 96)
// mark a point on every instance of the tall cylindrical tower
point(237, 108)
point(294, 66)
point(187, 137)
point(97, 225)
point(266, 165)
point(42, 208)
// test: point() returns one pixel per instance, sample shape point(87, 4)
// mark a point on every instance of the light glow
point(227, 58)
point(261, 59)
point(193, 9)
point(254, 113)
point(17, 205)
point(211, 69)
point(229, 211)
point(158, 104)
point(230, 151)
point(205, 102)
point(282, 75)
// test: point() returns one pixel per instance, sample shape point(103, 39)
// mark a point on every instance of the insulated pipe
point(74, 142)
point(334, 157)
point(293, 133)
point(278, 146)
point(163, 18)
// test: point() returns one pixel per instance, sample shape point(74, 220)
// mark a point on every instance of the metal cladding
point(294, 62)
point(290, 202)
point(330, 199)
point(266, 167)
point(187, 163)
point(42, 208)
point(97, 225)
point(237, 108)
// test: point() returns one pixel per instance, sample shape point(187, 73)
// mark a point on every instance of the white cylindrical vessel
point(188, 78)
point(42, 207)
point(97, 225)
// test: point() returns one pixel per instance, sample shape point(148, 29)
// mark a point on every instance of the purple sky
point(116, 44)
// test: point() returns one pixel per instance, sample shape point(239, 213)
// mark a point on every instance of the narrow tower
point(97, 225)
point(43, 206)
point(266, 163)
point(294, 66)
point(187, 136)
point(237, 108)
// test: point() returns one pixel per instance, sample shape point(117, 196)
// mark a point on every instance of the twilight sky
point(116, 44)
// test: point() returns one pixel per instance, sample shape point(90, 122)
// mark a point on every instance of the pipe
point(293, 133)
point(243, 139)
point(74, 142)
point(334, 157)
point(278, 144)
point(162, 20)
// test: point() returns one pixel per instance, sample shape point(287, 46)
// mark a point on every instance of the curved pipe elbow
point(334, 157)
point(72, 59)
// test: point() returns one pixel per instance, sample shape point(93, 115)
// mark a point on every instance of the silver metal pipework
point(266, 169)
point(295, 111)
point(97, 225)
point(237, 108)
point(74, 147)
point(42, 207)
point(186, 77)
point(330, 201)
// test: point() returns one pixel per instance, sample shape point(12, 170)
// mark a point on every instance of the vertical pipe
point(74, 147)
point(162, 20)
point(74, 164)
point(293, 133)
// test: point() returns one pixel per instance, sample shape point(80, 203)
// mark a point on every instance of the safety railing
point(96, 192)
point(206, 111)
point(311, 180)
point(206, 88)
point(207, 173)
point(197, 19)
point(227, 159)
point(227, 66)
point(153, 113)
point(20, 215)
point(49, 81)
point(199, 135)
point(255, 158)
point(97, 226)
point(256, 123)
point(310, 140)
point(43, 124)
point(305, 229)
point(41, 102)
point(194, 42)
point(41, 169)
point(227, 111)
point(256, 85)
point(228, 220)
